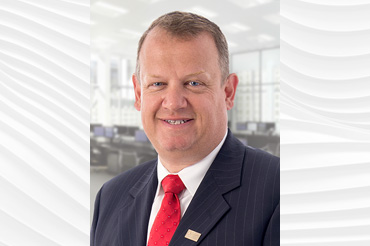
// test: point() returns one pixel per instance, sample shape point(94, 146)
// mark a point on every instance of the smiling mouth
point(176, 122)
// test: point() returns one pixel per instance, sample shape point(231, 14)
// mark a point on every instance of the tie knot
point(172, 184)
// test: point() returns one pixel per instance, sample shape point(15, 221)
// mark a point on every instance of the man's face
point(181, 97)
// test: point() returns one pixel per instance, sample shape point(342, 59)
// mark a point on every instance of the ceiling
point(116, 25)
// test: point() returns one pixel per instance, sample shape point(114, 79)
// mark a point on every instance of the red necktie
point(169, 214)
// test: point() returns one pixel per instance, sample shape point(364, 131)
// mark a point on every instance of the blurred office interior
point(117, 139)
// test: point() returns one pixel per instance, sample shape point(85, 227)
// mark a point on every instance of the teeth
point(176, 122)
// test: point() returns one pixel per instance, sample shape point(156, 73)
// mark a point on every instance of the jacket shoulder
point(263, 158)
point(262, 171)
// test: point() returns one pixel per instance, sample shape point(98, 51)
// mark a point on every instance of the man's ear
point(137, 89)
point(230, 90)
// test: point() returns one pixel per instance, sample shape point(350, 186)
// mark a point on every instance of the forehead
point(158, 32)
point(160, 46)
point(159, 36)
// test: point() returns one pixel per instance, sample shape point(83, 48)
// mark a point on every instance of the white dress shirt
point(191, 176)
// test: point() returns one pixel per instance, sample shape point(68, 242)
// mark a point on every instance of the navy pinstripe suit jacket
point(237, 203)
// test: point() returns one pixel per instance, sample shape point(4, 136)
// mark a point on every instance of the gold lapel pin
point(193, 235)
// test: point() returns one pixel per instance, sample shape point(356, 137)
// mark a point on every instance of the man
point(221, 192)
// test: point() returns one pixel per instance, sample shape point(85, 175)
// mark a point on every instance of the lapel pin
point(193, 235)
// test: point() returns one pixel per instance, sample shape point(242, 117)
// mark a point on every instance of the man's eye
point(194, 83)
point(157, 84)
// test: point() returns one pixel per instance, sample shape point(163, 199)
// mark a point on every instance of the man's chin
point(175, 146)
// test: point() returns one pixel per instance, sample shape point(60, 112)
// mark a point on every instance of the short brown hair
point(188, 25)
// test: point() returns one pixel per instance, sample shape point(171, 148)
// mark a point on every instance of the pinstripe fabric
point(122, 207)
point(237, 203)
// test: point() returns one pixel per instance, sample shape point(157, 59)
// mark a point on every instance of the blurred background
point(117, 140)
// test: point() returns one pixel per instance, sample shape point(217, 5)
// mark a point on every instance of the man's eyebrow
point(154, 76)
point(189, 75)
point(194, 74)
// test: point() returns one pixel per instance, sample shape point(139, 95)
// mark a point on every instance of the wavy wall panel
point(325, 122)
point(44, 122)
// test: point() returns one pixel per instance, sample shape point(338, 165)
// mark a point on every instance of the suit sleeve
point(272, 235)
point(95, 219)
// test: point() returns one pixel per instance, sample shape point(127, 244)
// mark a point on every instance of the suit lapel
point(134, 215)
point(208, 205)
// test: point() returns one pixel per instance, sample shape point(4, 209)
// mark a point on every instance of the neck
point(176, 160)
point(180, 163)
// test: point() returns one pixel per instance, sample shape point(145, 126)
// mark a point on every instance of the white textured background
point(325, 122)
point(44, 122)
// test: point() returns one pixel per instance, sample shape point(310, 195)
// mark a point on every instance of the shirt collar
point(193, 175)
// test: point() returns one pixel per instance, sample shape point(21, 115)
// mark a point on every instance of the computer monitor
point(140, 136)
point(121, 130)
point(241, 126)
point(131, 130)
point(252, 126)
point(270, 126)
point(92, 126)
point(261, 127)
point(109, 132)
point(99, 131)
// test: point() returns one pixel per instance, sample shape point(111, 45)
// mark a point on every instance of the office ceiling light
point(262, 1)
point(249, 3)
point(151, 1)
point(130, 33)
point(107, 9)
point(235, 27)
point(262, 38)
point(202, 11)
point(274, 18)
point(102, 42)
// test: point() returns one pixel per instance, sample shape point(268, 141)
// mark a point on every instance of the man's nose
point(174, 98)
